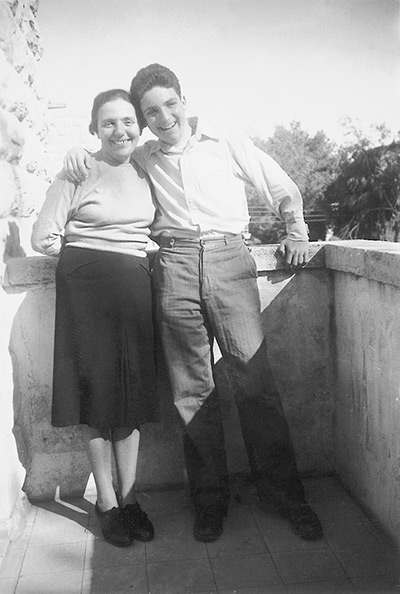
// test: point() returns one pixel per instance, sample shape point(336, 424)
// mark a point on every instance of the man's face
point(165, 115)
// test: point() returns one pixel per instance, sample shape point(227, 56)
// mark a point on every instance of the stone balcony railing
point(333, 332)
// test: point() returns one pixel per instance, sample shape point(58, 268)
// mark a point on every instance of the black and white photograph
point(200, 296)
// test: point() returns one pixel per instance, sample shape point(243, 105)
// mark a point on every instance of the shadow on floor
point(62, 551)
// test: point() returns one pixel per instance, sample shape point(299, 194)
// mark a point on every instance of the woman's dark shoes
point(114, 527)
point(138, 523)
point(305, 522)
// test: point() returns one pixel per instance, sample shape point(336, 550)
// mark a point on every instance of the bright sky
point(247, 63)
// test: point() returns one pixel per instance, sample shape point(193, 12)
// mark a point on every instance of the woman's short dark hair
point(103, 98)
point(146, 79)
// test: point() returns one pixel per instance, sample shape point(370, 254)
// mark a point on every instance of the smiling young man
point(205, 285)
point(165, 115)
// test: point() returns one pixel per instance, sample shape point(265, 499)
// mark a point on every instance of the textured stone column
point(23, 183)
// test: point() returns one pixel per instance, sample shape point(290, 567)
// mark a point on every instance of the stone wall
point(296, 315)
point(23, 183)
point(23, 126)
point(367, 401)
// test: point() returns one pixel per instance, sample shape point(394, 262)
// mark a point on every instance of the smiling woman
point(114, 121)
point(104, 369)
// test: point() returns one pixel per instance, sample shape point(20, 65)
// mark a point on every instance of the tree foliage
point(356, 186)
point(310, 161)
point(364, 200)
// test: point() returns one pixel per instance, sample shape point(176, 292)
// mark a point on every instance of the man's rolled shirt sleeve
point(272, 184)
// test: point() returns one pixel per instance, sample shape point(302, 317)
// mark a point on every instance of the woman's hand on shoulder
point(77, 163)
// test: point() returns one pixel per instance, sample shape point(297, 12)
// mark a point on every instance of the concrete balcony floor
point(62, 551)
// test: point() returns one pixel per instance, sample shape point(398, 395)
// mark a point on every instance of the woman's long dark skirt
point(104, 364)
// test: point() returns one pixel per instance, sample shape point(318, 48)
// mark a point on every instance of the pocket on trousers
point(251, 262)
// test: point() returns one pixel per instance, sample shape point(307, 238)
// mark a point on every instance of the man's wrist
point(298, 231)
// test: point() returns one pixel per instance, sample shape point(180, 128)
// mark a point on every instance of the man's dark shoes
point(114, 527)
point(209, 521)
point(304, 521)
point(139, 524)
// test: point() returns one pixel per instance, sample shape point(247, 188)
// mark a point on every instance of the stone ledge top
point(376, 260)
point(30, 271)
point(267, 257)
point(26, 272)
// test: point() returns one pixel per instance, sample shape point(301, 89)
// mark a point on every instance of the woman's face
point(118, 130)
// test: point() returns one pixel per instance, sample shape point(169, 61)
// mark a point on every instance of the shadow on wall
point(13, 247)
point(297, 316)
